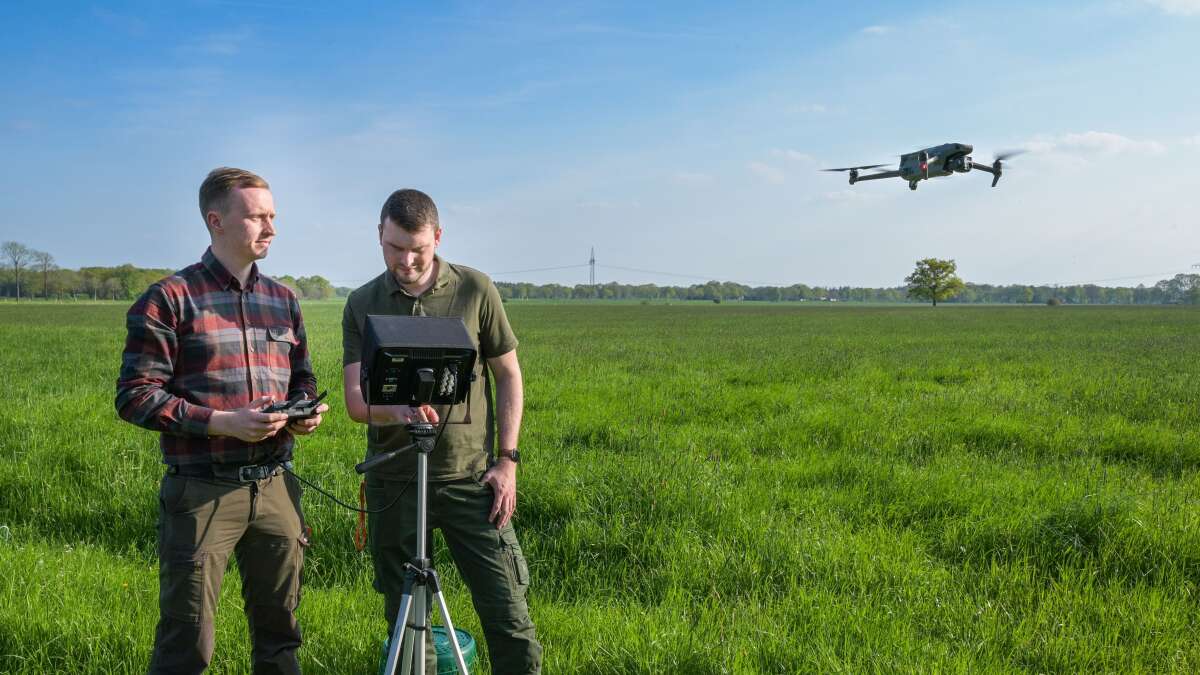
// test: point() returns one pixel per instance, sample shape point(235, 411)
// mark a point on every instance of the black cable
point(339, 502)
point(408, 482)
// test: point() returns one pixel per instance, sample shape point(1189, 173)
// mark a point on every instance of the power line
point(682, 276)
point(1098, 281)
point(540, 269)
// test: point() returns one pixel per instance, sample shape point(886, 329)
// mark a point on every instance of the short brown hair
point(410, 209)
point(220, 182)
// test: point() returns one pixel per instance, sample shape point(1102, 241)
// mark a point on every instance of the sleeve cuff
point(194, 419)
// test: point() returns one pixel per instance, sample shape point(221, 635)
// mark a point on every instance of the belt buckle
point(249, 474)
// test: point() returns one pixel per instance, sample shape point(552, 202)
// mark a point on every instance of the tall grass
point(704, 489)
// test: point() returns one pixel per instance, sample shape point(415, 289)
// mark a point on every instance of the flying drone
point(940, 160)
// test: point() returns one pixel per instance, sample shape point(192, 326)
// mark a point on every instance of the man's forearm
point(510, 402)
point(152, 407)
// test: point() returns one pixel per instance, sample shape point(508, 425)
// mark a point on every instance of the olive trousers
point(489, 560)
point(200, 522)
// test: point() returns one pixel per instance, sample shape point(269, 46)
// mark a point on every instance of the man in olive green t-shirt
point(472, 493)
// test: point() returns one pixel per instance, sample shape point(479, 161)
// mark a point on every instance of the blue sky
point(677, 138)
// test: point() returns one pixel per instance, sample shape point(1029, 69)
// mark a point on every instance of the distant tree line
point(27, 273)
point(1181, 289)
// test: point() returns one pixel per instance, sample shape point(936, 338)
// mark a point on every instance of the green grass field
point(705, 489)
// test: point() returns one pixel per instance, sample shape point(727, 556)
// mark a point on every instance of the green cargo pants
point(200, 522)
point(489, 560)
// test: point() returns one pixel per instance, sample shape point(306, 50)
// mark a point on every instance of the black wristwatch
point(514, 455)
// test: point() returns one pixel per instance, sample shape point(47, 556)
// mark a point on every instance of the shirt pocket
point(275, 345)
point(281, 337)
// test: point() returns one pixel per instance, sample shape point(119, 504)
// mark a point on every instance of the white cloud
point(1193, 141)
point(463, 210)
point(1094, 143)
point(842, 196)
point(607, 205)
point(848, 195)
point(794, 155)
point(691, 178)
point(877, 30)
point(767, 172)
point(1177, 7)
point(228, 43)
point(130, 25)
point(24, 125)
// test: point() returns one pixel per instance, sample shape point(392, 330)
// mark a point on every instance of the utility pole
point(592, 263)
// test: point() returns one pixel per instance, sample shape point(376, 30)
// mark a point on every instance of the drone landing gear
point(912, 185)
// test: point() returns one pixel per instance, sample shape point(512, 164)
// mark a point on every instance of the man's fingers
point(503, 506)
point(495, 511)
point(429, 413)
point(261, 402)
point(504, 515)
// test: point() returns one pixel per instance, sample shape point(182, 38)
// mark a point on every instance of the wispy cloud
point(608, 205)
point(130, 25)
point(794, 155)
point(524, 29)
point(24, 125)
point(522, 93)
point(622, 31)
point(1193, 141)
point(1177, 7)
point(877, 29)
point(767, 172)
point(1094, 143)
point(691, 178)
point(153, 83)
point(809, 108)
point(227, 43)
point(847, 195)
point(462, 209)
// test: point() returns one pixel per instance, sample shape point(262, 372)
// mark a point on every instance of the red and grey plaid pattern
point(197, 342)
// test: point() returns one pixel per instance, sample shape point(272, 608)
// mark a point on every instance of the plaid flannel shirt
point(198, 342)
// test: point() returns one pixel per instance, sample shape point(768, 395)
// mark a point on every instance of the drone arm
point(877, 176)
point(994, 170)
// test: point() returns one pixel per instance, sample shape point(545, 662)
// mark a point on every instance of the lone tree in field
point(44, 262)
point(17, 255)
point(934, 280)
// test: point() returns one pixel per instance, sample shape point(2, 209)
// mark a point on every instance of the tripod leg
point(458, 655)
point(416, 637)
point(399, 634)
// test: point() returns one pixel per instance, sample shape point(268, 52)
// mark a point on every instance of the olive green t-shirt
point(459, 291)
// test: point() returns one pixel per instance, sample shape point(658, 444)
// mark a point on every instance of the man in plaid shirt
point(209, 348)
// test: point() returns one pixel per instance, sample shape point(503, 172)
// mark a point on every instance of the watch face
point(514, 455)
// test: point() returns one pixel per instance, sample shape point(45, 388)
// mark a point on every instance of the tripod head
point(424, 437)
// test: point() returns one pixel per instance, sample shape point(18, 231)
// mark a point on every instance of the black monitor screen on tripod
point(413, 360)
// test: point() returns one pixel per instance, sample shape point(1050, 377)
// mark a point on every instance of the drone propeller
point(998, 165)
point(856, 168)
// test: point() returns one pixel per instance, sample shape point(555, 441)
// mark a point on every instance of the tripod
point(407, 644)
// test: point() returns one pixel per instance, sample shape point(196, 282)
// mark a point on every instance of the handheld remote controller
point(297, 408)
